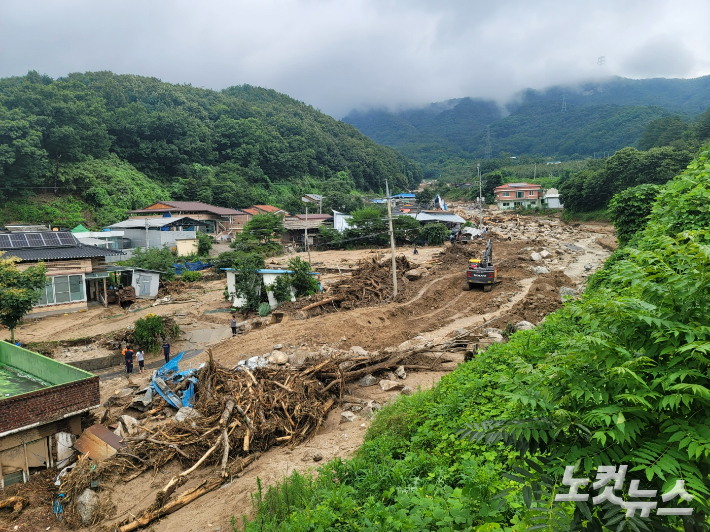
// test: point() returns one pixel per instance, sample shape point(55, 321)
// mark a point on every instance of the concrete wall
point(156, 239)
point(47, 369)
point(93, 364)
point(186, 247)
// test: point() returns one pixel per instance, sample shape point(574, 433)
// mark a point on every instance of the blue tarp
point(192, 266)
point(170, 374)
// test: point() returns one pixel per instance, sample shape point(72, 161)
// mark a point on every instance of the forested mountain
point(564, 122)
point(121, 141)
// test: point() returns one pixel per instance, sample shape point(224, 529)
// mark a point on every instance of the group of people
point(128, 355)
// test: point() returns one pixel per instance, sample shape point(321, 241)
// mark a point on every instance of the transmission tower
point(564, 103)
point(601, 60)
point(488, 142)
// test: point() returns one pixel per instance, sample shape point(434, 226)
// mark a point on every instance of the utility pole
point(394, 261)
point(147, 235)
point(308, 248)
point(480, 196)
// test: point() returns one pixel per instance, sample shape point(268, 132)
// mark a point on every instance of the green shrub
point(161, 260)
point(435, 234)
point(191, 277)
point(264, 309)
point(149, 330)
point(204, 244)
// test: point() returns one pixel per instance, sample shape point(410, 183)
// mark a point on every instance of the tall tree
point(19, 291)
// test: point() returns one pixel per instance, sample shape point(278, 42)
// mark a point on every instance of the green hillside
point(598, 117)
point(94, 134)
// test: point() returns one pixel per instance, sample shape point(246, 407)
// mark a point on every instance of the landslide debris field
point(307, 386)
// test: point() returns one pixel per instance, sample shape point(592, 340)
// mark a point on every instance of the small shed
point(145, 282)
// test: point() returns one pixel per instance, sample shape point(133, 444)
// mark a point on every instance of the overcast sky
point(345, 54)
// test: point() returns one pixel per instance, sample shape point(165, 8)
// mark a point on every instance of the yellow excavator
point(481, 271)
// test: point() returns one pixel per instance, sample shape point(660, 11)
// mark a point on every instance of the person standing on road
point(128, 354)
point(166, 351)
point(233, 325)
point(139, 358)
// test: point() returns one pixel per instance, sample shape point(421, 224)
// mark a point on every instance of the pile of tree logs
point(369, 284)
point(238, 414)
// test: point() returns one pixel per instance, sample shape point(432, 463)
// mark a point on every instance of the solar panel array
point(36, 240)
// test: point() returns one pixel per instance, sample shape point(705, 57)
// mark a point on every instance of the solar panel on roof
point(51, 239)
point(35, 240)
point(66, 239)
point(5, 242)
point(18, 240)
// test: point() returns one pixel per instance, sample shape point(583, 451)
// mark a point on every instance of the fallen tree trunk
point(321, 303)
point(183, 499)
point(17, 503)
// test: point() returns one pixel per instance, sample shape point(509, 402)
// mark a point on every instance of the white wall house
point(552, 199)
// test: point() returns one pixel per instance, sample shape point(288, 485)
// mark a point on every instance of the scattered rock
point(278, 357)
point(86, 504)
point(130, 424)
point(413, 275)
point(277, 347)
point(407, 390)
point(544, 253)
point(489, 330)
point(358, 351)
point(388, 385)
point(317, 456)
point(401, 373)
point(536, 257)
point(589, 267)
point(539, 270)
point(374, 405)
point(367, 380)
point(347, 417)
point(524, 326)
point(496, 337)
point(566, 291)
point(124, 392)
point(186, 412)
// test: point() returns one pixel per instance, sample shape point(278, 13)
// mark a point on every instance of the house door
point(143, 285)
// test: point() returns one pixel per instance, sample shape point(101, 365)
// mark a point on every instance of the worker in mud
point(128, 355)
point(233, 325)
point(166, 351)
point(416, 251)
point(141, 360)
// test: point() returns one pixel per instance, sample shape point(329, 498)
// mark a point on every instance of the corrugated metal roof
point(65, 253)
point(140, 223)
point(445, 217)
point(268, 208)
point(190, 206)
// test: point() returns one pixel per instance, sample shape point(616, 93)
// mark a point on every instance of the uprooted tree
point(20, 290)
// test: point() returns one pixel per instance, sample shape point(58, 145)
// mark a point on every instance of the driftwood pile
point(369, 284)
point(238, 414)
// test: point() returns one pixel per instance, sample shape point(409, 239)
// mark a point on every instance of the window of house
point(532, 192)
point(506, 194)
point(520, 194)
point(63, 289)
point(506, 204)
